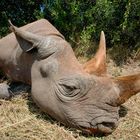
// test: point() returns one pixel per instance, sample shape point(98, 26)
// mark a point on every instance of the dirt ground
point(21, 119)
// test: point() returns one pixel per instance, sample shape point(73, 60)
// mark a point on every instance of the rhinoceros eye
point(73, 86)
point(69, 90)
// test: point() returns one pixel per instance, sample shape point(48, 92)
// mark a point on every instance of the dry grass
point(20, 119)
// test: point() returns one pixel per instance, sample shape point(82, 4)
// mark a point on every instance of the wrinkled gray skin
point(59, 84)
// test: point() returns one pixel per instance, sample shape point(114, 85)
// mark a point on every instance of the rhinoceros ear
point(26, 39)
point(128, 86)
point(97, 65)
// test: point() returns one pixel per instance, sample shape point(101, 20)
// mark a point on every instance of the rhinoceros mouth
point(100, 128)
point(104, 128)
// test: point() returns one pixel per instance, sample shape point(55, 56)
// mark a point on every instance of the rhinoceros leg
point(8, 91)
point(4, 91)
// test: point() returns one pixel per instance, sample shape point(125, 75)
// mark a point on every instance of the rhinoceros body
point(80, 96)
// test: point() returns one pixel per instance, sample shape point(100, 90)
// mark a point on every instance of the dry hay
point(21, 119)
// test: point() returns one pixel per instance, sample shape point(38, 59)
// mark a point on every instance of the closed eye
point(73, 87)
point(69, 91)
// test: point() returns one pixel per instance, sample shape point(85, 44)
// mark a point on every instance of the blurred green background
point(80, 21)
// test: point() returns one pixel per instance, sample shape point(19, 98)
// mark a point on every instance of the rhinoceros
point(81, 96)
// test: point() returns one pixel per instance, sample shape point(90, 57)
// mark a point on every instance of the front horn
point(128, 86)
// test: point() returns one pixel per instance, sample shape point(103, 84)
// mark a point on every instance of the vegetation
point(80, 21)
point(20, 12)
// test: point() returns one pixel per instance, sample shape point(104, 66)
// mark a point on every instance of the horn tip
point(102, 33)
point(102, 40)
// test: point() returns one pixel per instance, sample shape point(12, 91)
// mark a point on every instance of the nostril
point(109, 124)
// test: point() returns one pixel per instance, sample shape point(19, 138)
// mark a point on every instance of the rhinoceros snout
point(107, 127)
point(101, 129)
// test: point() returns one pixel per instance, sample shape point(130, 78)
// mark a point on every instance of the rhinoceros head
point(81, 96)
